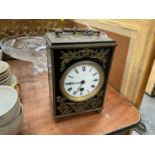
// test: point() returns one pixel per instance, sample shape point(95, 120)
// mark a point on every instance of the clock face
point(82, 81)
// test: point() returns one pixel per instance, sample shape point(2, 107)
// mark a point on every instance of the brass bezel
point(93, 93)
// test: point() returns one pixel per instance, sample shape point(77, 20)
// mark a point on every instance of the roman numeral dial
point(82, 81)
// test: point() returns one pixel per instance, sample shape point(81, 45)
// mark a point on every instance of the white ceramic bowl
point(14, 126)
point(9, 104)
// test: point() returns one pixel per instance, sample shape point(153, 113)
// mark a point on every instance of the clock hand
point(70, 83)
point(82, 82)
point(78, 88)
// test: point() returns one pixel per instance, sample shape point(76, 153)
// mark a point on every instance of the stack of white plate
point(11, 111)
point(5, 74)
point(0, 54)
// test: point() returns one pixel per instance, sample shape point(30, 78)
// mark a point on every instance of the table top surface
point(118, 113)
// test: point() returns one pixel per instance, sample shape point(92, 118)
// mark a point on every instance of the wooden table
point(118, 113)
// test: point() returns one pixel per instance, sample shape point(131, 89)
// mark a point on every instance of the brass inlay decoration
point(67, 107)
point(78, 54)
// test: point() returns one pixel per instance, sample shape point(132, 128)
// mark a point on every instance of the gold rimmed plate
point(3, 67)
point(7, 83)
point(5, 80)
point(5, 73)
point(5, 76)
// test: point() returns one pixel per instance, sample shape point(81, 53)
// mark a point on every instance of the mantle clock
point(79, 62)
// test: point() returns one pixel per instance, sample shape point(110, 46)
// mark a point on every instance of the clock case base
point(60, 57)
point(62, 117)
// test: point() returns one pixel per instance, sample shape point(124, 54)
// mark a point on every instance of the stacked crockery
point(5, 74)
point(11, 111)
point(0, 54)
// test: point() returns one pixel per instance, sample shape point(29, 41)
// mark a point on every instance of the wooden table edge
point(125, 128)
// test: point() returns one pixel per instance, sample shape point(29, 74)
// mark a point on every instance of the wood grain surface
point(118, 113)
point(150, 88)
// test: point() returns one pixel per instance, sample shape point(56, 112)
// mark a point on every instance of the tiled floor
point(147, 111)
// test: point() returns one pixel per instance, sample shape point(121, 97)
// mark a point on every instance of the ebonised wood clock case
point(64, 49)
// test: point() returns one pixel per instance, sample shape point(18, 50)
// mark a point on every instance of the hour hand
point(71, 83)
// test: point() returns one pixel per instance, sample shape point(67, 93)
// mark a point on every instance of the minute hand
point(71, 83)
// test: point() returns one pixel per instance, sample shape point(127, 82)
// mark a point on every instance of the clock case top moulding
point(64, 48)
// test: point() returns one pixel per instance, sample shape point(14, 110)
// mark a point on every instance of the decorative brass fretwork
point(78, 54)
point(27, 27)
point(67, 107)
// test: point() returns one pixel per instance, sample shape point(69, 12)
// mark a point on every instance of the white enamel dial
point(82, 81)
